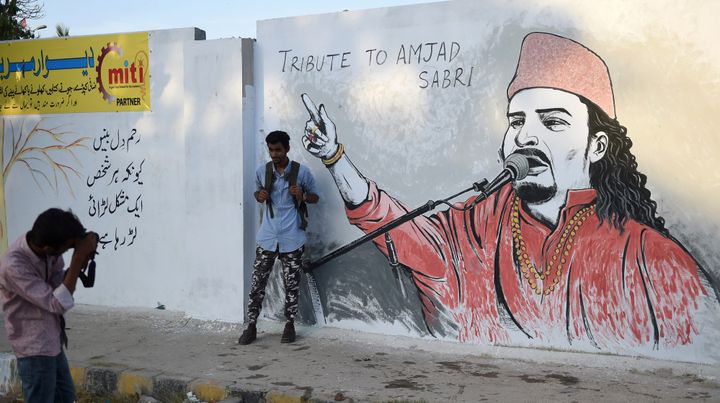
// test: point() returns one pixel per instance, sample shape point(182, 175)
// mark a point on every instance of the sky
point(218, 18)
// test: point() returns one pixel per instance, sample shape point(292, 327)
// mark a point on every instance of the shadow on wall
point(361, 278)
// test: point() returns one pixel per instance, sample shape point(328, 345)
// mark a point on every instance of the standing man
point(285, 187)
point(574, 253)
point(35, 293)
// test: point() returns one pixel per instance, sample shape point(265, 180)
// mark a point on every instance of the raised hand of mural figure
point(320, 140)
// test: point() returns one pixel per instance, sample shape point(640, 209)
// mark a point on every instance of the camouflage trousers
point(264, 262)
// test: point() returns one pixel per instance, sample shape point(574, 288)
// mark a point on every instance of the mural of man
point(573, 252)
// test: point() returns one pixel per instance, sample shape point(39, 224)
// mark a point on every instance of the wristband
point(335, 158)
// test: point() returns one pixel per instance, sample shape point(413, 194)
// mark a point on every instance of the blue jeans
point(46, 379)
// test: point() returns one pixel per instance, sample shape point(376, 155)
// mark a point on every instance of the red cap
point(551, 61)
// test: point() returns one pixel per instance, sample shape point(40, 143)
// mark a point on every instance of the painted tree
point(40, 160)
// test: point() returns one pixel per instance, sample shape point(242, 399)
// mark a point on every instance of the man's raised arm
point(320, 140)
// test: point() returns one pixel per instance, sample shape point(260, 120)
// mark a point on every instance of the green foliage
point(12, 12)
point(62, 30)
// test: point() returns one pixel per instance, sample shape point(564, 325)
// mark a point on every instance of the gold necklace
point(562, 250)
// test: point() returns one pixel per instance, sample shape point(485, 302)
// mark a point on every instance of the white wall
point(188, 251)
point(213, 122)
point(423, 142)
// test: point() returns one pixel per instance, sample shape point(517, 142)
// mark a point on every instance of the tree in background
point(14, 15)
point(62, 30)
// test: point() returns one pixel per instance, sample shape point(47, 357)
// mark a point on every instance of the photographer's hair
point(278, 136)
point(54, 227)
point(621, 191)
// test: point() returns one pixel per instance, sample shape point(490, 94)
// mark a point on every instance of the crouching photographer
point(35, 292)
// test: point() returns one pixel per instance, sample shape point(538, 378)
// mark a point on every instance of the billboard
point(103, 73)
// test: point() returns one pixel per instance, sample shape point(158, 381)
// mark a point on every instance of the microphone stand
point(480, 187)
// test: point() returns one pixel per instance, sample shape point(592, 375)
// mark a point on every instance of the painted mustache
point(535, 157)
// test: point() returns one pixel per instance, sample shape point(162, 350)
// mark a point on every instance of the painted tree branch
point(23, 153)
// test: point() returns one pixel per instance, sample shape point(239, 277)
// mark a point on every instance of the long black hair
point(621, 191)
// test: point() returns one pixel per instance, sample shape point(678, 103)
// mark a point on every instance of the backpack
point(301, 207)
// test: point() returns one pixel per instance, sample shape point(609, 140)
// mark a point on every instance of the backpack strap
point(301, 206)
point(269, 179)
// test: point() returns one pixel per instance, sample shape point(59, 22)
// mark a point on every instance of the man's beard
point(532, 193)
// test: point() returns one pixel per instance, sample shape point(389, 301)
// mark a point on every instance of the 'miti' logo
point(117, 75)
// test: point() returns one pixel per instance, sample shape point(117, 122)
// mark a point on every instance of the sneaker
point(288, 335)
point(249, 334)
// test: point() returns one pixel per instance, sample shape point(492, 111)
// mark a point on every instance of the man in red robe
point(574, 251)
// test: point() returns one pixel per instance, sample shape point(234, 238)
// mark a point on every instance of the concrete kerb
point(135, 383)
point(107, 382)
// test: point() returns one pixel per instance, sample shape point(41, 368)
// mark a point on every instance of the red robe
point(632, 288)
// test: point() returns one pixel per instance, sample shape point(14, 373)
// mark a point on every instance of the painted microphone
point(515, 167)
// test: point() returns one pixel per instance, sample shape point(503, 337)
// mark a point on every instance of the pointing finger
point(312, 109)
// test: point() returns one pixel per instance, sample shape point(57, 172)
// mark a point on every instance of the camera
point(87, 274)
